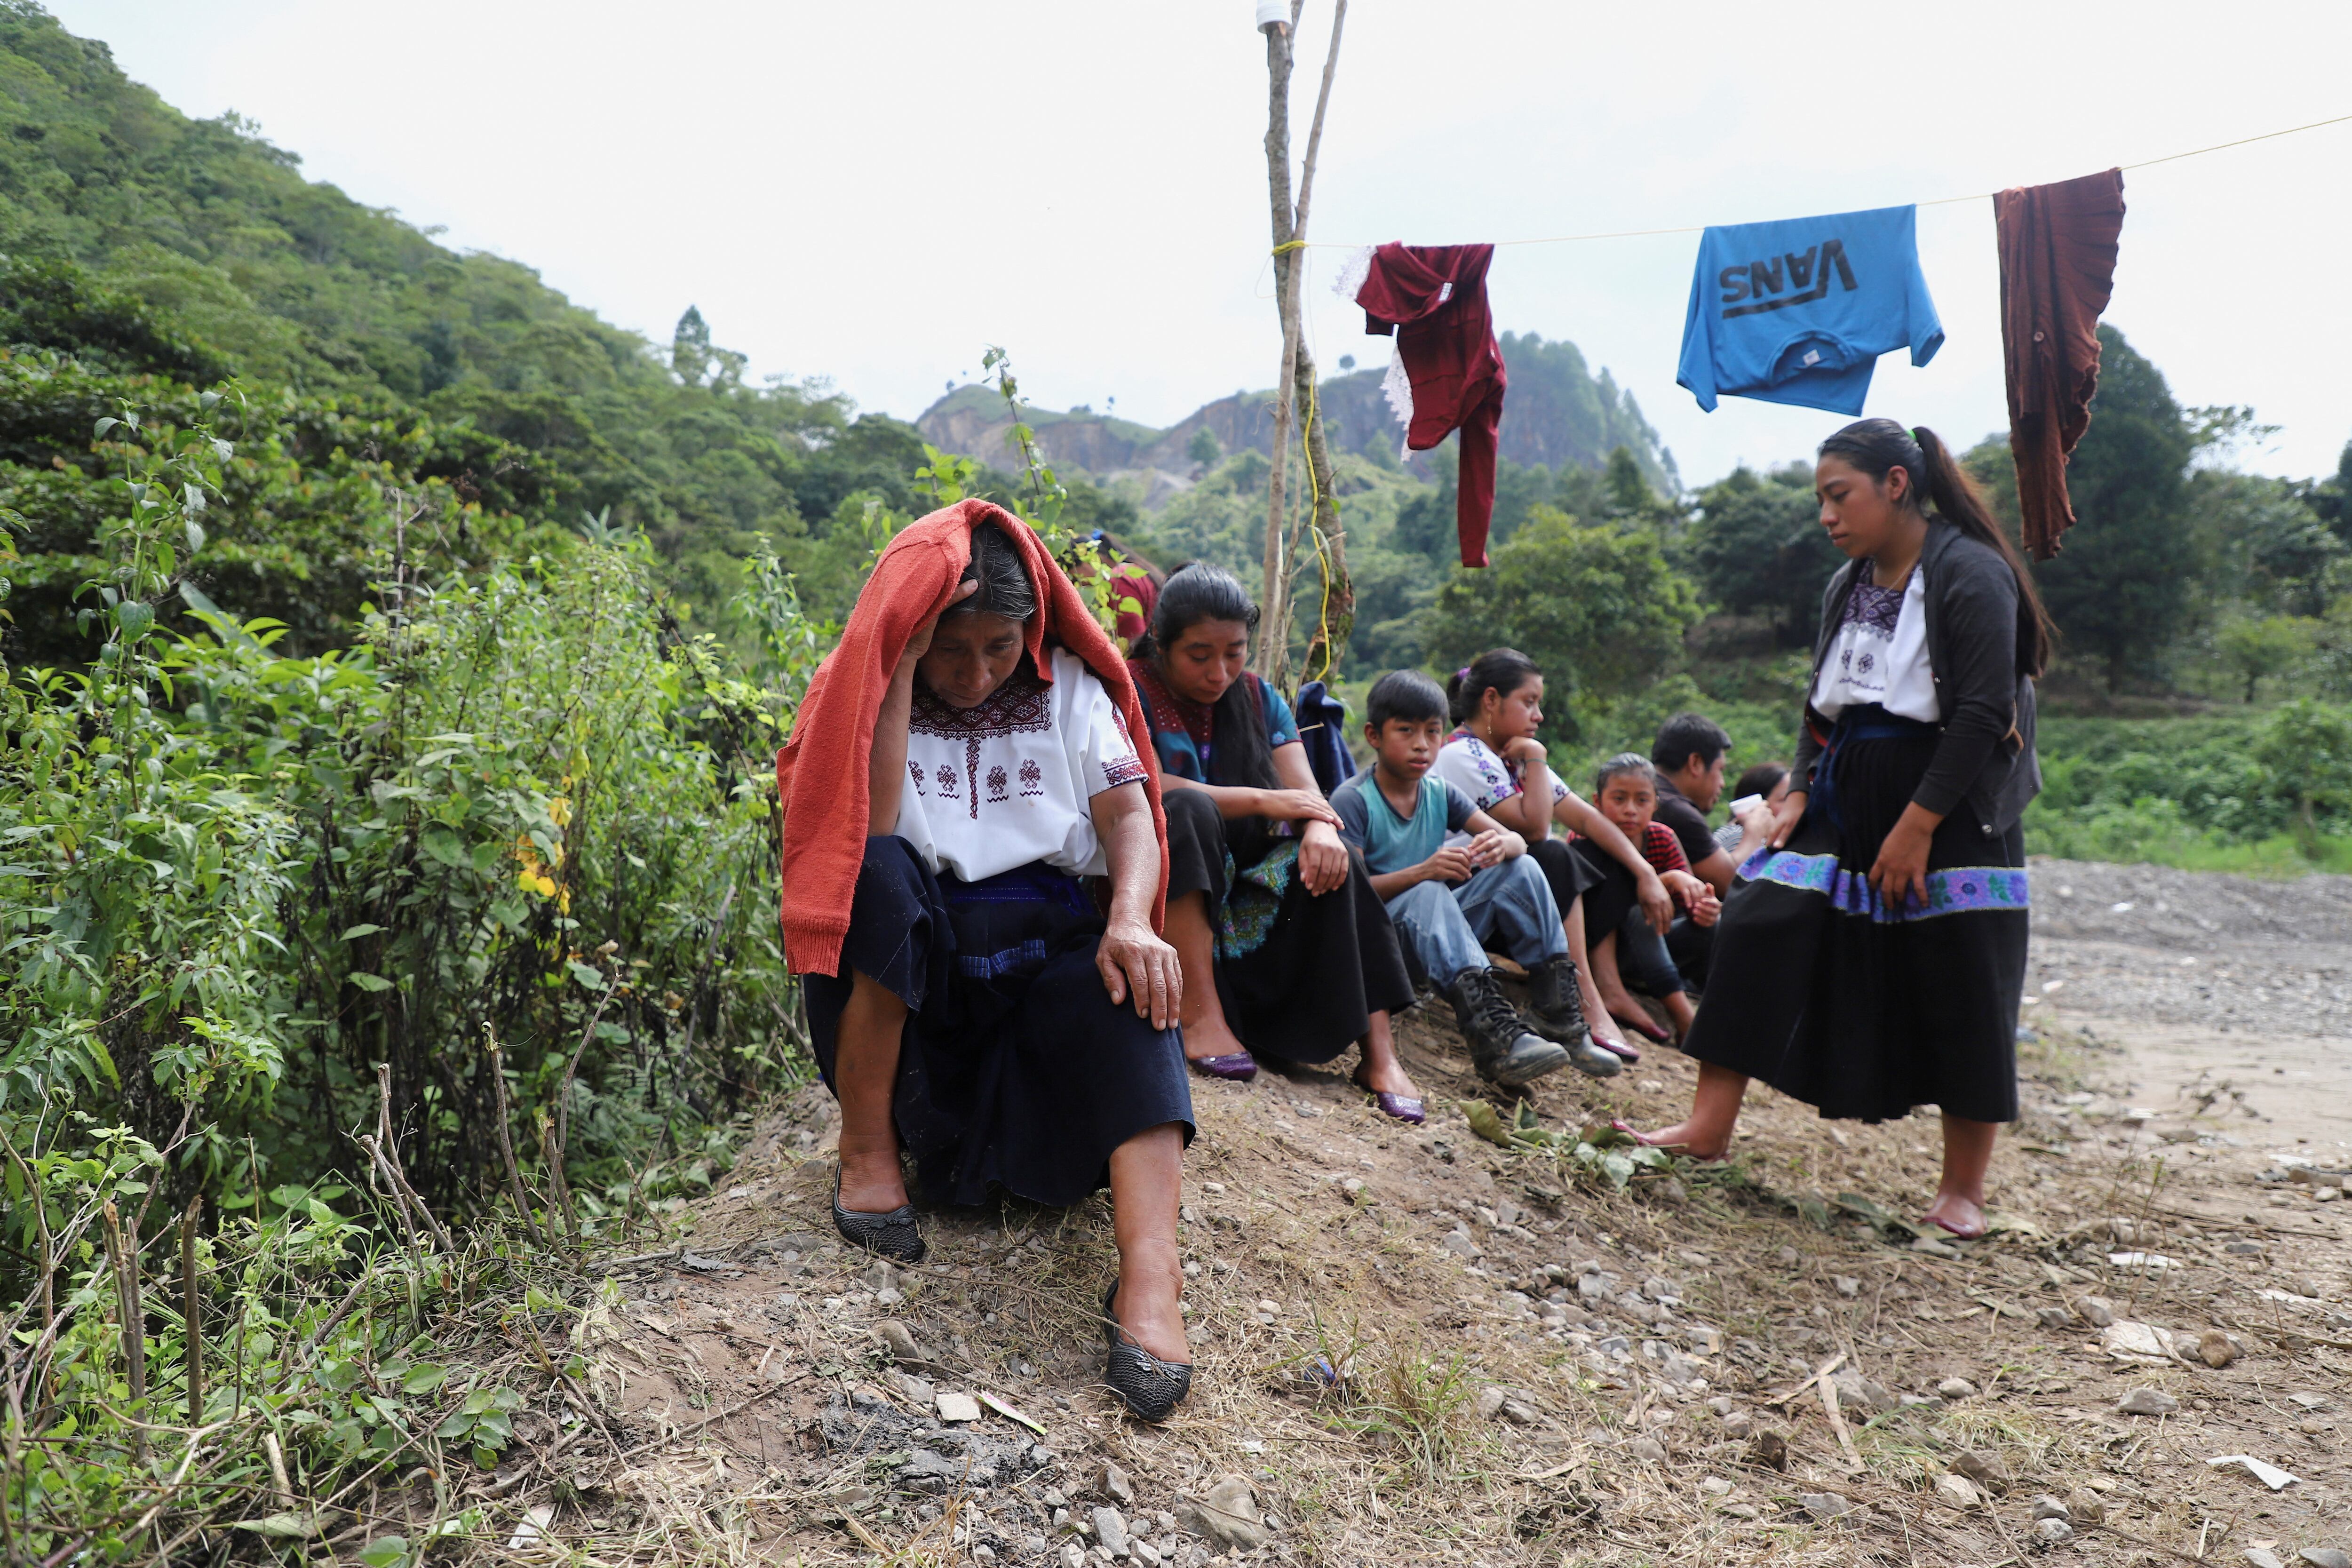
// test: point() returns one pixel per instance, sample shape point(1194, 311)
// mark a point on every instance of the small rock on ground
point(2048, 1507)
point(2216, 1349)
point(1985, 1468)
point(2262, 1558)
point(1955, 1388)
point(1825, 1505)
point(1110, 1528)
point(2324, 1557)
point(2147, 1401)
point(2053, 1530)
point(1959, 1492)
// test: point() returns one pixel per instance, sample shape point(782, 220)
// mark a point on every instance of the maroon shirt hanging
point(2057, 271)
point(1434, 298)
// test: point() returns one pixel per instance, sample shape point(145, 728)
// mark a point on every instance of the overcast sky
point(875, 191)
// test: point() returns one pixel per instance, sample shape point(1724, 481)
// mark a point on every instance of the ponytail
point(1878, 447)
point(1503, 669)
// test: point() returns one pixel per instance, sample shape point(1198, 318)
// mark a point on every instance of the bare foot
point(1211, 1037)
point(1149, 1307)
point(1384, 1076)
point(1687, 1138)
point(871, 1180)
point(1962, 1215)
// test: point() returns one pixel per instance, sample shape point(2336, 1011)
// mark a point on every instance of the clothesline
point(1938, 202)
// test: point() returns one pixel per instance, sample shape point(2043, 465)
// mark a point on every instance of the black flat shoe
point(1150, 1386)
point(893, 1234)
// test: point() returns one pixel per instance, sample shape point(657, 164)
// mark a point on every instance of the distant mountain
point(1557, 411)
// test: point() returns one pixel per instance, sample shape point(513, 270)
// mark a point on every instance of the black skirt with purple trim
point(1862, 1009)
point(1017, 1071)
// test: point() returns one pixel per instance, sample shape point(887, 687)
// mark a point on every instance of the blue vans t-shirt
point(1390, 843)
point(1799, 309)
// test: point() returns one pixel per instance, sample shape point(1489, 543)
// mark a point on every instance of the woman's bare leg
point(865, 1076)
point(1959, 1200)
point(1202, 1015)
point(1380, 1072)
point(1147, 1177)
point(1678, 1008)
point(1617, 1002)
point(1706, 1132)
point(1596, 1011)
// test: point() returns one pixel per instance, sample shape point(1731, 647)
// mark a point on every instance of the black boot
point(1557, 1004)
point(1502, 1048)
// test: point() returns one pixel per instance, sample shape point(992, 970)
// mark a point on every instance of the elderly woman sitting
point(967, 1002)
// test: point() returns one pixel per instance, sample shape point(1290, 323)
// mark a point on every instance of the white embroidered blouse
point(999, 786)
point(1879, 654)
point(1470, 765)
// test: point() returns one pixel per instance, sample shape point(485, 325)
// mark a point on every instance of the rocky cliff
point(1556, 412)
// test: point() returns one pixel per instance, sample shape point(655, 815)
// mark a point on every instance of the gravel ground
point(2196, 949)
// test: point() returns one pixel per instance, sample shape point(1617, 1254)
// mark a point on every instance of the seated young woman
point(977, 1009)
point(1290, 954)
point(1494, 757)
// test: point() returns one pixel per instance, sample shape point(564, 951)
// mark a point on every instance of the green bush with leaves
point(1597, 607)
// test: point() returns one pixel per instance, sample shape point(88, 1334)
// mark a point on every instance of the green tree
point(689, 347)
point(2271, 646)
point(1758, 548)
point(1598, 607)
point(2120, 585)
point(1205, 449)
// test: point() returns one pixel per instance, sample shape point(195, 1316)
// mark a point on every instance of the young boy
point(1449, 899)
point(1625, 791)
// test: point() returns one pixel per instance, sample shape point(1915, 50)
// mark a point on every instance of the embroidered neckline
point(1170, 711)
point(1875, 608)
point(1023, 703)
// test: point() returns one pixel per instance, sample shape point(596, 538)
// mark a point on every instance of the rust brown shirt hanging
point(2057, 271)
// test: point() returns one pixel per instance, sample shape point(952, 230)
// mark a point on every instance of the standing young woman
point(1494, 757)
point(1872, 959)
point(1288, 952)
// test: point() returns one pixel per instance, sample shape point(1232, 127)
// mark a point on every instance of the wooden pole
point(1297, 387)
point(1273, 643)
point(1338, 617)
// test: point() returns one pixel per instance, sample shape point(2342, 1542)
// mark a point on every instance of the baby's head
point(1625, 789)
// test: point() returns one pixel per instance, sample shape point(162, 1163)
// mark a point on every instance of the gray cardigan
point(1986, 755)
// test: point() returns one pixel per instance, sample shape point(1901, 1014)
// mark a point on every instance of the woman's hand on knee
point(1322, 858)
point(1138, 967)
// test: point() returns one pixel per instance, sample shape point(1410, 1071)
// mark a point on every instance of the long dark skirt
point(1298, 974)
point(1015, 1069)
point(1823, 990)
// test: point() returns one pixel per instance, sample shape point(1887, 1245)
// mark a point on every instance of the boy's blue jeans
point(1508, 906)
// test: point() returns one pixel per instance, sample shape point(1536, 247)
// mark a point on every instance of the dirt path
point(1426, 1347)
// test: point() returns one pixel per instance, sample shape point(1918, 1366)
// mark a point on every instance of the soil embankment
point(1420, 1347)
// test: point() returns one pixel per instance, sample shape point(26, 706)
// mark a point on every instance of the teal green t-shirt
point(1391, 843)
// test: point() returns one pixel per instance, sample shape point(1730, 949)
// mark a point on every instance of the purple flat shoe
point(1239, 1067)
point(1403, 1107)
